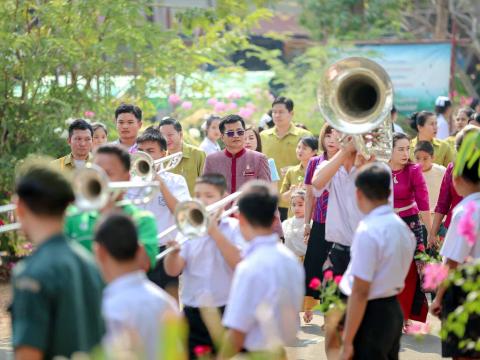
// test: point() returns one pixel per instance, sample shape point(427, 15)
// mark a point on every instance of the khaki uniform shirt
point(191, 165)
point(68, 163)
point(443, 153)
point(294, 176)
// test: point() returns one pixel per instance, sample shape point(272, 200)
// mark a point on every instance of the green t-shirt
point(80, 226)
point(57, 295)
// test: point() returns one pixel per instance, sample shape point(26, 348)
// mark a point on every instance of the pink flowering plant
point(329, 292)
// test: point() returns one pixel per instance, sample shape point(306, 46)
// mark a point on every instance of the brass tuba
point(355, 97)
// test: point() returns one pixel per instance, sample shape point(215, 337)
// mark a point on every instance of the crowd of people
point(308, 206)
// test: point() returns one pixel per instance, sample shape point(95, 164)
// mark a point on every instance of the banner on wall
point(419, 72)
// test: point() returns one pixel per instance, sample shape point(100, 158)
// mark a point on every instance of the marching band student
point(458, 249)
point(173, 188)
point(57, 291)
point(381, 254)
point(206, 263)
point(133, 307)
point(115, 161)
point(267, 289)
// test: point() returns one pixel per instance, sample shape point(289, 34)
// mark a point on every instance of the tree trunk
point(441, 24)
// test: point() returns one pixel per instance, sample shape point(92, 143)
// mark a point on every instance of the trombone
point(144, 167)
point(192, 219)
point(12, 226)
point(93, 189)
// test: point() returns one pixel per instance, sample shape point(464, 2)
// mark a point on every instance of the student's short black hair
point(43, 189)
point(393, 110)
point(79, 124)
point(258, 204)
point(129, 109)
point(285, 101)
point(425, 146)
point(118, 235)
point(171, 121)
point(310, 141)
point(117, 151)
point(152, 134)
point(374, 182)
point(216, 180)
point(471, 173)
point(230, 119)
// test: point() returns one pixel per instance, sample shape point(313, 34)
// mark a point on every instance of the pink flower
point(433, 275)
point(245, 112)
point(27, 246)
point(89, 114)
point(212, 101)
point(314, 283)
point(337, 279)
point(174, 100)
point(466, 225)
point(187, 105)
point(201, 350)
point(233, 95)
point(232, 106)
point(418, 328)
point(328, 275)
point(421, 247)
point(220, 107)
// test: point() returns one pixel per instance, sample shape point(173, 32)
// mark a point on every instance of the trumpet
point(9, 227)
point(93, 189)
point(192, 219)
point(144, 167)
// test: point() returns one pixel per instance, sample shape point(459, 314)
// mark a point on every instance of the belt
point(405, 208)
point(340, 247)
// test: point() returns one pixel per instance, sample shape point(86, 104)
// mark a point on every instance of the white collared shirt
point(177, 185)
point(443, 131)
point(206, 278)
point(134, 305)
point(209, 146)
point(455, 246)
point(267, 295)
point(381, 254)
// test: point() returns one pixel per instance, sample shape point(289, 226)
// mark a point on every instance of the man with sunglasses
point(237, 164)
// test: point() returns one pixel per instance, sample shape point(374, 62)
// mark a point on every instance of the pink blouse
point(409, 188)
point(448, 197)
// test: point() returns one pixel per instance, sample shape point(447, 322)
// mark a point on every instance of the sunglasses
point(231, 133)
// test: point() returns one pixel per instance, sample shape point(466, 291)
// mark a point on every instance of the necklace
point(395, 173)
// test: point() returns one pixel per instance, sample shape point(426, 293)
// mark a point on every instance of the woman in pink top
point(410, 198)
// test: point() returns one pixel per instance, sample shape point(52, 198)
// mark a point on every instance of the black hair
point(129, 109)
point(467, 111)
point(442, 109)
point(99, 125)
point(470, 174)
point(475, 118)
point(210, 120)
point(171, 121)
point(425, 146)
point(79, 124)
point(398, 136)
point(373, 181)
point(154, 135)
point(230, 119)
point(257, 136)
point(118, 235)
point(43, 189)
point(394, 110)
point(285, 101)
point(214, 179)
point(117, 151)
point(474, 103)
point(310, 141)
point(419, 119)
point(258, 204)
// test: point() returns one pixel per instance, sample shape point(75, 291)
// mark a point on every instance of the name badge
point(249, 171)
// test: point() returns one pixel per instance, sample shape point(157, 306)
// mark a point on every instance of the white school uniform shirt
point(207, 277)
point(397, 128)
point(158, 206)
point(293, 229)
point(455, 246)
point(433, 178)
point(381, 254)
point(209, 146)
point(442, 124)
point(134, 305)
point(267, 295)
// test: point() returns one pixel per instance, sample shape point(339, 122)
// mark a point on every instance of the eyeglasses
point(231, 133)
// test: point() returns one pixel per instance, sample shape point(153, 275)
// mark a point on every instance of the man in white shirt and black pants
point(381, 255)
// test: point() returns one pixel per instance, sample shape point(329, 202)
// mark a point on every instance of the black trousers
point(338, 259)
point(158, 275)
point(198, 334)
point(378, 336)
point(317, 251)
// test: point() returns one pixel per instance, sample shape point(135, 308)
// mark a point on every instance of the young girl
point(293, 226)
point(306, 149)
point(254, 142)
point(100, 135)
point(410, 198)
point(209, 144)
